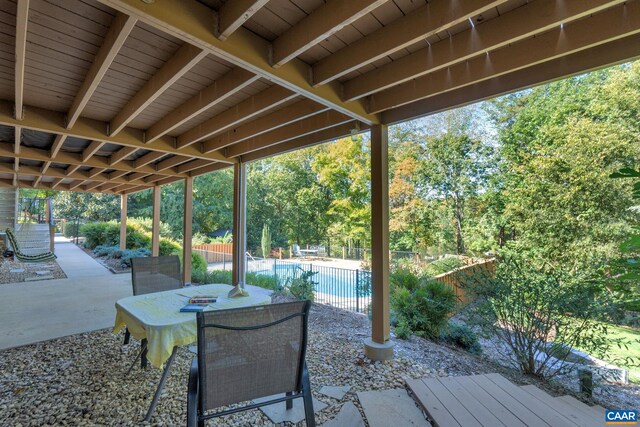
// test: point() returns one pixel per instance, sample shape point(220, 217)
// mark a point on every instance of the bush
point(263, 281)
point(127, 254)
point(302, 286)
point(101, 233)
point(443, 265)
point(168, 247)
point(108, 234)
point(198, 265)
point(103, 250)
point(404, 278)
point(531, 307)
point(71, 229)
point(461, 336)
point(426, 309)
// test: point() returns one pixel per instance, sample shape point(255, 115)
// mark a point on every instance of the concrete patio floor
point(85, 301)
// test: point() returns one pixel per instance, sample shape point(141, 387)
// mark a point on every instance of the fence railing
point(457, 278)
point(215, 252)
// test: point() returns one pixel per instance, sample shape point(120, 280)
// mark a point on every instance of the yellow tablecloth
point(157, 316)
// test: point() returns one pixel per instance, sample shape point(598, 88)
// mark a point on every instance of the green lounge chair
point(43, 257)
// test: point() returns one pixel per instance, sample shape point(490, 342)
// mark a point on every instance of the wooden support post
point(155, 224)
point(379, 347)
point(123, 222)
point(239, 223)
point(187, 230)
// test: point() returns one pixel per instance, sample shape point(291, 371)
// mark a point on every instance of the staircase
point(492, 400)
point(34, 239)
point(8, 203)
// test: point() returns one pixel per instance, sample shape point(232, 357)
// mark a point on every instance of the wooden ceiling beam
point(36, 171)
point(17, 139)
point(45, 186)
point(605, 55)
point(436, 16)
point(108, 187)
point(146, 159)
point(53, 122)
point(171, 162)
point(329, 18)
point(71, 169)
point(612, 24)
point(233, 14)
point(58, 142)
point(76, 184)
point(289, 114)
point(518, 24)
point(91, 185)
point(259, 103)
point(6, 150)
point(294, 130)
point(92, 149)
point(208, 169)
point(227, 85)
point(121, 154)
point(192, 165)
point(22, 19)
point(93, 172)
point(326, 135)
point(182, 61)
point(117, 174)
point(116, 36)
point(137, 176)
point(56, 182)
point(193, 22)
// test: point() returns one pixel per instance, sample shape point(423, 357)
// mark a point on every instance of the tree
point(266, 241)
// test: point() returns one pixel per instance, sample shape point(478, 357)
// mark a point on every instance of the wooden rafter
point(227, 85)
point(75, 184)
point(320, 24)
point(233, 14)
point(61, 173)
point(611, 24)
point(58, 142)
point(4, 183)
point(22, 18)
point(53, 122)
point(117, 174)
point(330, 134)
point(93, 172)
point(17, 139)
point(118, 32)
point(600, 56)
point(91, 185)
point(191, 21)
point(121, 154)
point(92, 149)
point(208, 169)
point(6, 150)
point(294, 130)
point(182, 61)
point(56, 182)
point(294, 112)
point(192, 165)
point(259, 103)
point(171, 162)
point(436, 16)
point(71, 169)
point(523, 22)
point(146, 159)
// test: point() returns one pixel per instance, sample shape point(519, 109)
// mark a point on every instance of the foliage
point(71, 229)
point(198, 263)
point(265, 243)
point(461, 336)
point(114, 252)
point(533, 308)
point(404, 278)
point(108, 234)
point(302, 285)
point(443, 265)
point(425, 309)
point(225, 277)
point(70, 205)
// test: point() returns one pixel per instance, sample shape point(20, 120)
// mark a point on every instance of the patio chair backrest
point(296, 250)
point(251, 352)
point(155, 274)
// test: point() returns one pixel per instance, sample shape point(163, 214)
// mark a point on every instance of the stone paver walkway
point(76, 263)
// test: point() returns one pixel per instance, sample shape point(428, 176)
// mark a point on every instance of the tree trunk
point(458, 206)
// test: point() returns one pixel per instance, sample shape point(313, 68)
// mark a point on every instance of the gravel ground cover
point(24, 271)
point(80, 380)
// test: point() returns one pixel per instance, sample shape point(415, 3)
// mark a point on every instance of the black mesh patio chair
point(153, 274)
point(249, 353)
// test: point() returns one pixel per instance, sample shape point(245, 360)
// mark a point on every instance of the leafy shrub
point(108, 234)
point(530, 307)
point(461, 336)
point(71, 229)
point(127, 254)
point(302, 286)
point(424, 310)
point(101, 233)
point(404, 278)
point(198, 264)
point(443, 265)
point(103, 250)
point(263, 281)
point(168, 247)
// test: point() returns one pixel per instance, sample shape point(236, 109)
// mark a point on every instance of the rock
point(349, 416)
point(16, 270)
point(278, 413)
point(390, 407)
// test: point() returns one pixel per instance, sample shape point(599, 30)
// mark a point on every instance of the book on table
point(194, 308)
point(203, 299)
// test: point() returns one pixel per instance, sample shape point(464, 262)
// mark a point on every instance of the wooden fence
point(214, 252)
point(457, 278)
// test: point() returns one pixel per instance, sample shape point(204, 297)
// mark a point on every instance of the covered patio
point(121, 96)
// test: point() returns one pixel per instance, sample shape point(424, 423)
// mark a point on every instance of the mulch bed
point(26, 271)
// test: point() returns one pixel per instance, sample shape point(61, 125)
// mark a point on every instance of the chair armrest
point(192, 395)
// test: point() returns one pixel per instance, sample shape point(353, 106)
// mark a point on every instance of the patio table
point(157, 318)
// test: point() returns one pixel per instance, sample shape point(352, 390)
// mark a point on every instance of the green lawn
point(627, 334)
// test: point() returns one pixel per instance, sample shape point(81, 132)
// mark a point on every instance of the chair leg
point(127, 335)
point(308, 401)
point(143, 356)
point(289, 402)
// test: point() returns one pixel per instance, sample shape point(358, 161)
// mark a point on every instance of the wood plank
point(516, 408)
point(494, 406)
point(565, 409)
point(543, 411)
point(451, 402)
point(582, 406)
point(233, 14)
point(115, 38)
point(438, 413)
point(479, 411)
point(22, 18)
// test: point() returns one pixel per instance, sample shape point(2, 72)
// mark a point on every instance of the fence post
point(357, 291)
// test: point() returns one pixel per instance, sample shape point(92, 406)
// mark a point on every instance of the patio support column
point(187, 230)
point(239, 223)
point(123, 222)
point(155, 224)
point(379, 347)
